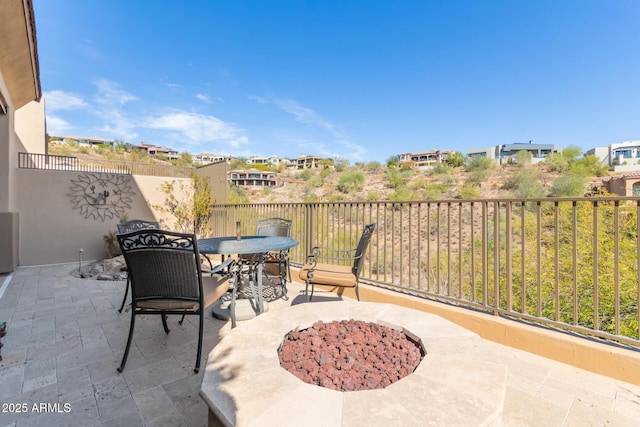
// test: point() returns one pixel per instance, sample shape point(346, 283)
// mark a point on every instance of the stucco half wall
point(605, 359)
point(53, 228)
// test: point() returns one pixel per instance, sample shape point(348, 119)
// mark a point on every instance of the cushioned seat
point(166, 278)
point(329, 274)
point(314, 272)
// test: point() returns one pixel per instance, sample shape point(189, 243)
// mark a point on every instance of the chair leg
point(306, 291)
point(232, 306)
point(126, 292)
point(128, 347)
point(164, 323)
point(357, 292)
point(283, 268)
point(200, 335)
point(181, 320)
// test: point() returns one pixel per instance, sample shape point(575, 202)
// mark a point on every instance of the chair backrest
point(162, 265)
point(136, 224)
point(273, 227)
point(361, 249)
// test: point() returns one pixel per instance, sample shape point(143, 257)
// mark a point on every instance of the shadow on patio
point(65, 340)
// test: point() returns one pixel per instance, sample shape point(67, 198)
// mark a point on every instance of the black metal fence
point(569, 263)
point(77, 164)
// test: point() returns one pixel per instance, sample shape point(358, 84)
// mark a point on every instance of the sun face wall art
point(101, 195)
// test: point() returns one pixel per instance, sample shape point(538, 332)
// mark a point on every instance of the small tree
point(455, 159)
point(190, 204)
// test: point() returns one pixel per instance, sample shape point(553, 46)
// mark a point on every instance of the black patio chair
point(127, 227)
point(276, 259)
point(342, 267)
point(166, 278)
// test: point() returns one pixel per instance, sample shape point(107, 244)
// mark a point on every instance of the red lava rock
point(349, 355)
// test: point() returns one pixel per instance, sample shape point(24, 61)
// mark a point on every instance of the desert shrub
point(434, 191)
point(441, 169)
point(524, 182)
point(315, 181)
point(476, 163)
point(455, 159)
point(403, 194)
point(372, 166)
point(305, 174)
point(237, 196)
point(569, 185)
point(523, 158)
point(469, 191)
point(351, 181)
point(340, 164)
point(372, 196)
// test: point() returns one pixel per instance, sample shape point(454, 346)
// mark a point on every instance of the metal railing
point(78, 164)
point(565, 263)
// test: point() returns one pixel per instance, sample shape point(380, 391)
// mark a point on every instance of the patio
point(65, 339)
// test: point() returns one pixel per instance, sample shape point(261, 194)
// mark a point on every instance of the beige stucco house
point(22, 120)
point(626, 184)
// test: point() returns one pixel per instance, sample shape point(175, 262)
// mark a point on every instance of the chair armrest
point(220, 267)
point(330, 254)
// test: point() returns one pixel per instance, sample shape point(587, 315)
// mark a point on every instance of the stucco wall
point(55, 223)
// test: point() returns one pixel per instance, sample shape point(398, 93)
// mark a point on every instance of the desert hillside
point(440, 183)
point(378, 182)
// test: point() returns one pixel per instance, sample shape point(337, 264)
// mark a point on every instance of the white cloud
point(57, 126)
point(204, 98)
point(110, 93)
point(309, 117)
point(110, 102)
point(198, 128)
point(56, 100)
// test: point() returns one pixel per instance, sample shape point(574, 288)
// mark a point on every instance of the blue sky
point(361, 80)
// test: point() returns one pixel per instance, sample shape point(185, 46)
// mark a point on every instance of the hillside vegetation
point(565, 174)
point(562, 175)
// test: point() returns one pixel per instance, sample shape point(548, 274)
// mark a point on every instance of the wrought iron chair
point(278, 259)
point(166, 278)
point(343, 266)
point(127, 227)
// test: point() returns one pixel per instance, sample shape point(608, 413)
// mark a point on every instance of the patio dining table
point(244, 267)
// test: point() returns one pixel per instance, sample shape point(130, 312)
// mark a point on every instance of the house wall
point(8, 214)
point(56, 221)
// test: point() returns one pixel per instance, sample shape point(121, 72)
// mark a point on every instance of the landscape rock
point(349, 355)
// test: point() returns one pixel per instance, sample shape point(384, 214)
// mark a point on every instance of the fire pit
point(244, 383)
point(350, 355)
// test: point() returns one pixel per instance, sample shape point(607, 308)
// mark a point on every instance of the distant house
point(269, 161)
point(82, 141)
point(154, 150)
point(506, 153)
point(424, 159)
point(627, 184)
point(252, 178)
point(305, 162)
point(621, 156)
point(206, 158)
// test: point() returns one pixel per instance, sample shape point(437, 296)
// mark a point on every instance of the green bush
point(480, 163)
point(525, 183)
point(569, 185)
point(469, 191)
point(305, 174)
point(316, 181)
point(351, 181)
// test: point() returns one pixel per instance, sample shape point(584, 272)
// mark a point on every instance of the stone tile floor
point(65, 340)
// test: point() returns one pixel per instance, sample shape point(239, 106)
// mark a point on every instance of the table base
point(244, 309)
